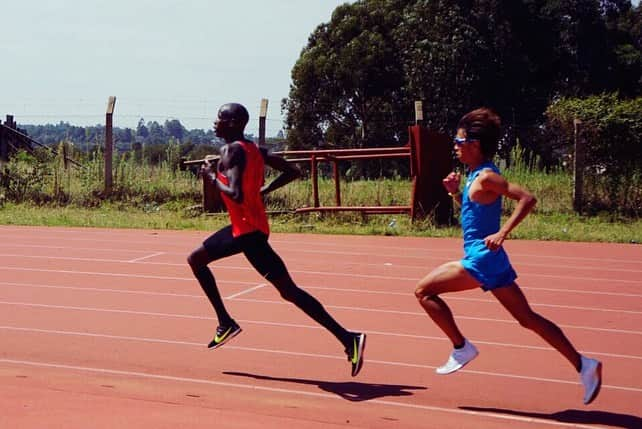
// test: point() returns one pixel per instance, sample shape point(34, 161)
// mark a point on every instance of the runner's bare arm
point(494, 182)
point(288, 172)
point(231, 165)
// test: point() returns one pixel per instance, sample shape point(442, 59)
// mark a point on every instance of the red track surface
point(107, 328)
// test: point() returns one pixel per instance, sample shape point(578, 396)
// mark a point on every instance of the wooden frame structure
point(428, 152)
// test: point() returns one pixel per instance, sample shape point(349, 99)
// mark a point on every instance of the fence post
point(4, 148)
point(430, 162)
point(262, 115)
point(4, 138)
point(111, 104)
point(419, 113)
point(578, 166)
point(337, 182)
point(315, 180)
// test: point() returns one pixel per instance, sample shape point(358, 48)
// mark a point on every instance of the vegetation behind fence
point(43, 179)
point(611, 131)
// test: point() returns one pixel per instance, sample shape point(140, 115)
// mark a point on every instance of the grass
point(537, 226)
point(163, 197)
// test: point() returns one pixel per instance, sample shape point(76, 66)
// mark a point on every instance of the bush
point(22, 179)
point(612, 129)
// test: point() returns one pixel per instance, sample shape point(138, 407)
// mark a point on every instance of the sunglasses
point(460, 141)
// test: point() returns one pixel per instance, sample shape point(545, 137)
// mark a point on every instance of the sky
point(162, 59)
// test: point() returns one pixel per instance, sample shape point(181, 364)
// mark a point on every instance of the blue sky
point(162, 59)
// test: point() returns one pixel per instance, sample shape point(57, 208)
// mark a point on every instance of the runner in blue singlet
point(485, 263)
point(491, 268)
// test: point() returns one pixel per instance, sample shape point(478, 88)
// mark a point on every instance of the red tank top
point(249, 215)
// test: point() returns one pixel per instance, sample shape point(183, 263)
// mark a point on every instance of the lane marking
point(142, 258)
point(317, 327)
point(338, 290)
point(407, 313)
point(397, 267)
point(428, 248)
point(188, 316)
point(255, 387)
point(333, 357)
point(246, 291)
point(317, 273)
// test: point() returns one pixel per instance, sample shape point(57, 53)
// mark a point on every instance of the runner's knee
point(289, 292)
point(196, 260)
point(423, 291)
point(528, 320)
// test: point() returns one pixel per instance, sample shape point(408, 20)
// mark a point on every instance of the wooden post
point(315, 180)
point(262, 116)
point(431, 161)
point(419, 113)
point(65, 155)
point(4, 138)
point(111, 104)
point(578, 166)
point(337, 184)
point(4, 148)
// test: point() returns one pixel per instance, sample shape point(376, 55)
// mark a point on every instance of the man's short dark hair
point(483, 124)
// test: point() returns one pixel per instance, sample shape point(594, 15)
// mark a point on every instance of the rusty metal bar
point(403, 153)
point(339, 152)
point(351, 157)
point(315, 181)
point(337, 185)
point(371, 210)
point(335, 156)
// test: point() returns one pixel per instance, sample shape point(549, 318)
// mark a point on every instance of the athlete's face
point(223, 125)
point(465, 148)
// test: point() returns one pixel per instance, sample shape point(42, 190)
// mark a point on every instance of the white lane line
point(339, 290)
point(337, 307)
point(188, 316)
point(121, 291)
point(570, 291)
point(98, 273)
point(457, 411)
point(146, 257)
point(414, 313)
point(317, 327)
point(427, 246)
point(316, 355)
point(246, 291)
point(316, 273)
point(364, 264)
point(452, 254)
point(411, 313)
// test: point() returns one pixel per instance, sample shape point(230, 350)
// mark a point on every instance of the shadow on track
point(351, 391)
point(595, 417)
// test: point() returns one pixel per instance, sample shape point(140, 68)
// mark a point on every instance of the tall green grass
point(46, 192)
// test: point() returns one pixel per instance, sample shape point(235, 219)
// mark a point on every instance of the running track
point(107, 328)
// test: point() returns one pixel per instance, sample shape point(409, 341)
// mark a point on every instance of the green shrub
point(612, 130)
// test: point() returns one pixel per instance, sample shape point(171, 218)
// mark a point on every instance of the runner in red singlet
point(239, 177)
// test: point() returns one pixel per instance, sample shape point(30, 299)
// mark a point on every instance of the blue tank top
point(491, 268)
point(479, 220)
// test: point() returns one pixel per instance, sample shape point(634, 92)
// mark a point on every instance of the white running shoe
point(458, 358)
point(591, 377)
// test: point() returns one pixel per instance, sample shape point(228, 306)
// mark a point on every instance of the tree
point(174, 128)
point(141, 129)
point(355, 82)
point(345, 79)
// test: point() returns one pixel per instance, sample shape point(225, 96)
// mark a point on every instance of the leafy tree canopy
point(355, 82)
